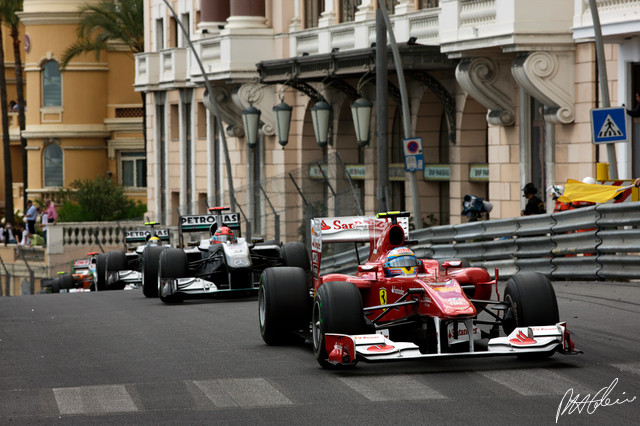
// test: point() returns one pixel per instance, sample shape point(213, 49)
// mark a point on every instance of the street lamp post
point(282, 112)
point(251, 120)
point(361, 113)
point(320, 113)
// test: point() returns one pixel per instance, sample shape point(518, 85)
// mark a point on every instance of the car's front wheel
point(116, 262)
point(531, 301)
point(150, 260)
point(171, 265)
point(337, 308)
point(101, 272)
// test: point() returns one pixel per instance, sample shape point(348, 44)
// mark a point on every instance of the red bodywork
point(443, 295)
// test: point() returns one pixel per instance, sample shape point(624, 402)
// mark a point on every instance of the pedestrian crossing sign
point(609, 125)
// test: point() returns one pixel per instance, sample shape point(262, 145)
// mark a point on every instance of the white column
point(328, 16)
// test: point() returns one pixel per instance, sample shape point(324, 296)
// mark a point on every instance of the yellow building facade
point(83, 121)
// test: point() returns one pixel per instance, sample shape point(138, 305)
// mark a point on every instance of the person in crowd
point(25, 240)
point(9, 234)
point(44, 220)
point(534, 204)
point(635, 112)
point(31, 216)
point(52, 214)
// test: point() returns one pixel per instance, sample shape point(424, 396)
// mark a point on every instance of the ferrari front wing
point(346, 350)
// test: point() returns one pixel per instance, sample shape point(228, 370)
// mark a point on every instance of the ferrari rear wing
point(346, 229)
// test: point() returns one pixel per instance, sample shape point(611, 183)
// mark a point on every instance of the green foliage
point(107, 21)
point(98, 199)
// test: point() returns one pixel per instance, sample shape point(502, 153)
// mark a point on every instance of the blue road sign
point(609, 125)
point(413, 157)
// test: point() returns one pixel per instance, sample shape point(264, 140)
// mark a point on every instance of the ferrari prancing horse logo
point(383, 296)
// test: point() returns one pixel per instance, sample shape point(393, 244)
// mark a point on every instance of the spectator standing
point(52, 214)
point(534, 204)
point(44, 220)
point(30, 217)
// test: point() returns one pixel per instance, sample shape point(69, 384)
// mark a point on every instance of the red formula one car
point(398, 307)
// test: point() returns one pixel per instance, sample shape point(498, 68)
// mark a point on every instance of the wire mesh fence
point(281, 207)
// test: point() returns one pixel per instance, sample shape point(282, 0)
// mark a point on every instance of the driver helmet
point(223, 235)
point(153, 241)
point(400, 261)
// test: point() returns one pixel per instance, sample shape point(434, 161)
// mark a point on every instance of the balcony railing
point(455, 25)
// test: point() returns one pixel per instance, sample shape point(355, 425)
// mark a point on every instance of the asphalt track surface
point(120, 358)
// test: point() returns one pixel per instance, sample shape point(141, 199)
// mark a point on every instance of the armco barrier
point(600, 242)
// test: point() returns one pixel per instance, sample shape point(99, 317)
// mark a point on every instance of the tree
point(105, 22)
point(9, 15)
point(98, 199)
point(6, 141)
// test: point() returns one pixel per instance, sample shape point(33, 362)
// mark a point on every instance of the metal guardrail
point(600, 242)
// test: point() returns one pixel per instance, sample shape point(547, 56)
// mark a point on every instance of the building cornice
point(65, 131)
point(49, 18)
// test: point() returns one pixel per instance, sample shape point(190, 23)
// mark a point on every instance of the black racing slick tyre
point(150, 261)
point(283, 304)
point(101, 272)
point(295, 254)
point(55, 285)
point(532, 302)
point(337, 308)
point(66, 282)
point(116, 261)
point(172, 264)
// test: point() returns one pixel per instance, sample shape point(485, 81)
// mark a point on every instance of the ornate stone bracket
point(230, 112)
point(263, 98)
point(490, 83)
point(446, 99)
point(548, 77)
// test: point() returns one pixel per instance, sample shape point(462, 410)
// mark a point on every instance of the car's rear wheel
point(116, 261)
point(66, 282)
point(101, 272)
point(172, 265)
point(531, 301)
point(295, 254)
point(337, 308)
point(283, 304)
point(55, 285)
point(150, 260)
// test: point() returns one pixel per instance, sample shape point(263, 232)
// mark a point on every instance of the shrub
point(98, 199)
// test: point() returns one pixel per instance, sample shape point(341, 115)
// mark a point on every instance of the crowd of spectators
point(32, 230)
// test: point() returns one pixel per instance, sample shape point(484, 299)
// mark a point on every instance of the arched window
point(53, 165)
point(51, 84)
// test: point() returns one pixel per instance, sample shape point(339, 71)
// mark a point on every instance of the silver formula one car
point(222, 263)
